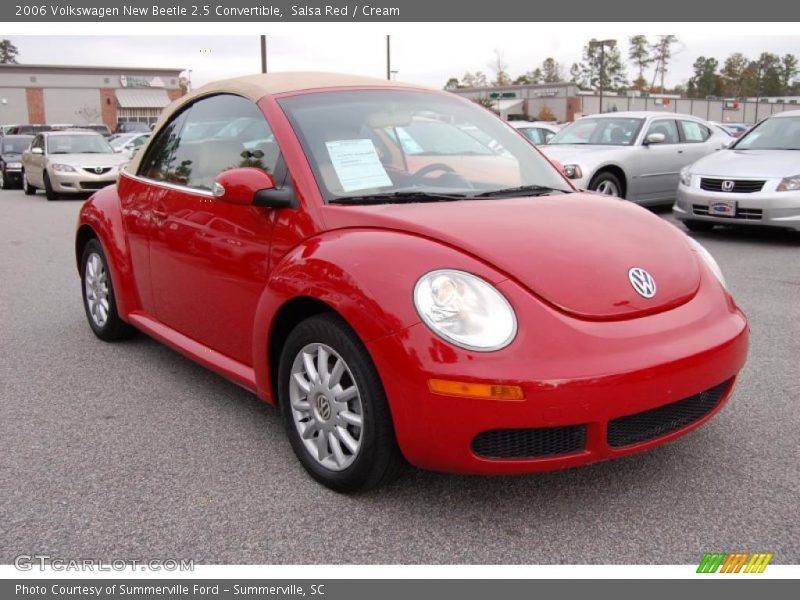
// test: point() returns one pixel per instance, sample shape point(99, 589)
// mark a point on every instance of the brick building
point(75, 95)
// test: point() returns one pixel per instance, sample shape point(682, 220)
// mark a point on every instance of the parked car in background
point(633, 155)
point(539, 132)
point(132, 127)
point(736, 130)
point(97, 128)
point(28, 129)
point(359, 257)
point(69, 162)
point(755, 182)
point(128, 143)
point(11, 149)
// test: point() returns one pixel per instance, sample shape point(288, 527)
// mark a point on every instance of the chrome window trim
point(165, 184)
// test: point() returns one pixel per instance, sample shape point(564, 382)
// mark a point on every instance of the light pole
point(388, 57)
point(602, 44)
point(263, 54)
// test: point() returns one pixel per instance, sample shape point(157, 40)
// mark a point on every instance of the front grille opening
point(530, 443)
point(651, 424)
point(735, 186)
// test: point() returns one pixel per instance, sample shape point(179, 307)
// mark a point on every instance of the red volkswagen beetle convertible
point(409, 280)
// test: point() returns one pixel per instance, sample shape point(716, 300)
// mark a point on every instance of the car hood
point(575, 153)
point(573, 251)
point(11, 157)
point(749, 163)
point(88, 160)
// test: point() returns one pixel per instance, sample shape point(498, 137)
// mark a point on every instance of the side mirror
point(654, 138)
point(248, 186)
point(548, 137)
point(37, 150)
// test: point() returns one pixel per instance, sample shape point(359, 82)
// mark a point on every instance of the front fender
point(366, 275)
point(102, 215)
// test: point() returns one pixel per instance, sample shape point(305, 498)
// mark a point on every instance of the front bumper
point(82, 180)
point(577, 377)
point(12, 177)
point(766, 208)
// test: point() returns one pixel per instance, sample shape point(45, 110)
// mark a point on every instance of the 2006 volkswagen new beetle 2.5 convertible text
point(408, 279)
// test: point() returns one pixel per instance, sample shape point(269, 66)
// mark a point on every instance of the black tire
point(48, 188)
point(608, 178)
point(698, 226)
point(3, 185)
point(29, 189)
point(378, 460)
point(114, 328)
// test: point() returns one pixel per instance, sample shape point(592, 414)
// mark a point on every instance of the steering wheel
point(432, 168)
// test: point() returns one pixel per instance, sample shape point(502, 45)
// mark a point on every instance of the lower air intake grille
point(530, 443)
point(650, 424)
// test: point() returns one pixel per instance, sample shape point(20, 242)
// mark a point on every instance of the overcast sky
point(423, 58)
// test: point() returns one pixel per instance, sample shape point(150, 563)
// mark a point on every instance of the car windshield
point(78, 144)
point(11, 145)
point(392, 146)
point(605, 131)
point(778, 133)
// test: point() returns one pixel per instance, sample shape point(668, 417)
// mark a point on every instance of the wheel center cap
point(322, 407)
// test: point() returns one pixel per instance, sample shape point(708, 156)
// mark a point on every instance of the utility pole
point(388, 57)
point(263, 54)
point(602, 45)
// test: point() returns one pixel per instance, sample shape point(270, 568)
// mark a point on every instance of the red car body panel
point(208, 278)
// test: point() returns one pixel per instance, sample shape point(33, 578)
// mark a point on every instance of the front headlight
point(15, 165)
point(686, 176)
point(59, 168)
point(573, 171)
point(710, 261)
point(789, 184)
point(465, 310)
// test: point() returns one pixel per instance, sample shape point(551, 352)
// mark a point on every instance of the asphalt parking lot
point(131, 451)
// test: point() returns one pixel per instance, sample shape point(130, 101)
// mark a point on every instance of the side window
point(534, 134)
point(159, 163)
point(666, 127)
point(694, 132)
point(38, 142)
point(223, 132)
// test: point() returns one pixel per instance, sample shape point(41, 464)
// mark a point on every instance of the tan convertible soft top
point(257, 86)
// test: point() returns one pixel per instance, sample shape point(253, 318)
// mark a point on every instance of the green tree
point(661, 52)
point(639, 55)
point(611, 77)
point(551, 71)
point(8, 53)
point(706, 81)
point(769, 69)
point(452, 84)
point(733, 72)
point(789, 70)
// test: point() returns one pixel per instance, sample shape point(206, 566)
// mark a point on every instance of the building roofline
point(103, 68)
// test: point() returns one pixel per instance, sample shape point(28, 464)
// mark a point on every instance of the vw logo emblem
point(642, 282)
point(728, 185)
point(98, 170)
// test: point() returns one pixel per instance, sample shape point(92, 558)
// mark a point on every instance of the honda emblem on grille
point(642, 282)
point(728, 185)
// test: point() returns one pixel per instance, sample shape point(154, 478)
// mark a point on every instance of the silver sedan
point(755, 182)
point(633, 155)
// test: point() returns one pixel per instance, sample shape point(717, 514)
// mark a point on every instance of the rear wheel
point(48, 188)
point(607, 184)
point(99, 300)
point(334, 407)
point(3, 179)
point(29, 189)
point(698, 226)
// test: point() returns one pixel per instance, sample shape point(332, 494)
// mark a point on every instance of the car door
point(698, 140)
point(34, 162)
point(659, 163)
point(209, 259)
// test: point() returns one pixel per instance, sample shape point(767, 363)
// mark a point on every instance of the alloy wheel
point(326, 406)
point(96, 286)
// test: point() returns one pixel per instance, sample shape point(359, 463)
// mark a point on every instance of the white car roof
point(641, 114)
point(786, 113)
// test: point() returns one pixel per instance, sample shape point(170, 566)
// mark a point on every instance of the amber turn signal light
point(492, 391)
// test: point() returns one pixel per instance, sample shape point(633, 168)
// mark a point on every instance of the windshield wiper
point(398, 198)
point(522, 190)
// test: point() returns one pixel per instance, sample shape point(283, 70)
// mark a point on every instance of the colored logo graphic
point(737, 562)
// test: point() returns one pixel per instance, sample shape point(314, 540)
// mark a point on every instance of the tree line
point(649, 60)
